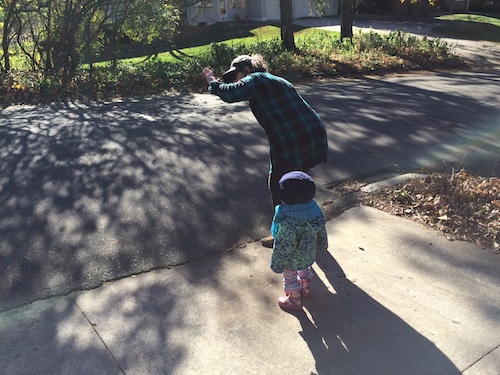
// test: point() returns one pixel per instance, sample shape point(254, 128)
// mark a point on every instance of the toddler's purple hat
point(296, 188)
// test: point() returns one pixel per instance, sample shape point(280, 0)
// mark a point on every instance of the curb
point(334, 207)
point(391, 182)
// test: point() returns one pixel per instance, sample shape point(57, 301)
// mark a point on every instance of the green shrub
point(370, 41)
point(318, 53)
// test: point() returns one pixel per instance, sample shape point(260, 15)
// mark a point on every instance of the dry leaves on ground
point(461, 206)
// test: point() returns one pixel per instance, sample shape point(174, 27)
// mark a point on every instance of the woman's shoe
point(292, 301)
point(267, 242)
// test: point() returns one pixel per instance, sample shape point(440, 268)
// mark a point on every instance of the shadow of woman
point(350, 333)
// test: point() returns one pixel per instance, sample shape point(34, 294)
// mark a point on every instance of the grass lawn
point(199, 45)
point(195, 41)
point(259, 33)
point(470, 26)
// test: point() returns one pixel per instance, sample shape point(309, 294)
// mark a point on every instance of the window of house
point(222, 6)
point(232, 4)
point(241, 3)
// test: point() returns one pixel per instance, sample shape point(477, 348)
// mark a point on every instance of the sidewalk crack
point(100, 338)
point(480, 358)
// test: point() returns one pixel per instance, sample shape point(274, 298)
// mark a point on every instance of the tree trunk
point(345, 19)
point(7, 28)
point(286, 13)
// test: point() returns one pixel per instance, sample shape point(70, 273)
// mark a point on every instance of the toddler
point(299, 231)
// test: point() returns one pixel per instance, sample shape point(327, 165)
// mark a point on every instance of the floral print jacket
point(299, 231)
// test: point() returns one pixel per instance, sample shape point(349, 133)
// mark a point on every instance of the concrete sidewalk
point(391, 297)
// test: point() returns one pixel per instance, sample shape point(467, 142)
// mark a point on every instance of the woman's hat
point(237, 65)
point(296, 188)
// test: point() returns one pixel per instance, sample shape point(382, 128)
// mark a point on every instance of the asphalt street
point(95, 192)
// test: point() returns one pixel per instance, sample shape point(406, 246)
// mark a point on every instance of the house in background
point(212, 11)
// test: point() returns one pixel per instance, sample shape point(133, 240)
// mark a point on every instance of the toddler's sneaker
point(292, 301)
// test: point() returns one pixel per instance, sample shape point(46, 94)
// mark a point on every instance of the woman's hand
point(209, 75)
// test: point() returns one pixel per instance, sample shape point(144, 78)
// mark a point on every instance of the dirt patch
point(459, 206)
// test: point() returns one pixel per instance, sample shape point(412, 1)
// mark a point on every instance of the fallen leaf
point(463, 206)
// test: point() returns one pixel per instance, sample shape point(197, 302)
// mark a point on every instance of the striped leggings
point(291, 279)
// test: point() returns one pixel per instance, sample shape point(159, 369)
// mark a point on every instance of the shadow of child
point(349, 332)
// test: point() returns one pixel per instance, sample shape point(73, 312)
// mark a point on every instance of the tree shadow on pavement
point(95, 192)
point(57, 337)
point(52, 338)
point(427, 123)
